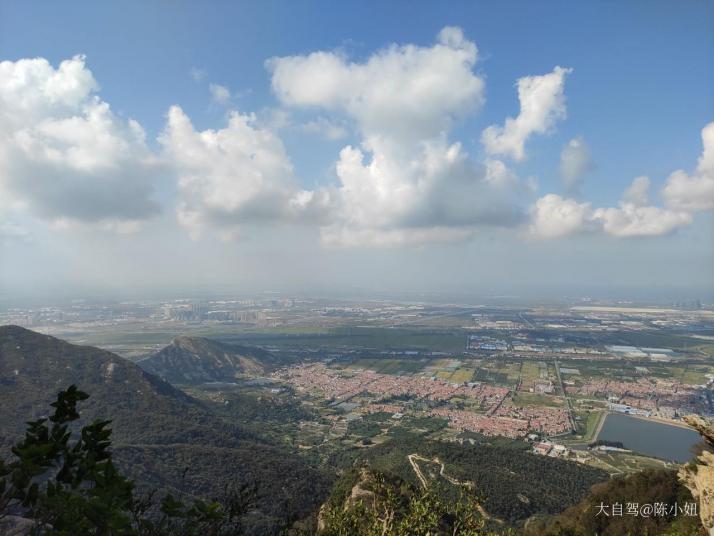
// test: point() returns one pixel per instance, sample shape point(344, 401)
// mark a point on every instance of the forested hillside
point(190, 360)
point(648, 487)
point(168, 441)
point(514, 483)
point(162, 437)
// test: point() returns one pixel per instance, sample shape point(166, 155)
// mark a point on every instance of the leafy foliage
point(516, 484)
point(647, 487)
point(363, 428)
point(162, 439)
point(73, 487)
point(391, 507)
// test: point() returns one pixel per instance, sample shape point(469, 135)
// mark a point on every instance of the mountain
point(368, 502)
point(190, 360)
point(514, 483)
point(144, 409)
point(162, 438)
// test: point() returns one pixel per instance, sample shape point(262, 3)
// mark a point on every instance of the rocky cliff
point(698, 476)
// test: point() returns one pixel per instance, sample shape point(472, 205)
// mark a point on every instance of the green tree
point(71, 487)
point(394, 508)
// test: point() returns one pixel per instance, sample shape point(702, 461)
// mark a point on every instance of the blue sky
point(639, 95)
point(643, 84)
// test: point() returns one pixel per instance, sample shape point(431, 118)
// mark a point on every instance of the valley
point(322, 391)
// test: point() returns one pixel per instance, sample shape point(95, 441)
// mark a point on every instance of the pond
point(657, 439)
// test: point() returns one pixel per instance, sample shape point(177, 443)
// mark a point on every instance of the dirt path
point(413, 458)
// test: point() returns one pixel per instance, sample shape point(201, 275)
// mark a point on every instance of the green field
point(499, 372)
point(390, 366)
point(442, 363)
point(690, 374)
point(530, 372)
point(707, 349)
point(359, 337)
point(532, 399)
point(460, 375)
point(625, 462)
point(592, 419)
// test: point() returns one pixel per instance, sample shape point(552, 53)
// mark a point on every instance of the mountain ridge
point(162, 438)
point(191, 360)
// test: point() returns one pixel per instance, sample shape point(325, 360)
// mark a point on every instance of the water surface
point(649, 437)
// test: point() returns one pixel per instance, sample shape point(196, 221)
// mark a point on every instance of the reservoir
point(649, 437)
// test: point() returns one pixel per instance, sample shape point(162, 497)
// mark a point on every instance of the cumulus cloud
point(409, 92)
point(638, 192)
point(575, 161)
point(553, 216)
point(420, 194)
point(236, 175)
point(63, 153)
point(631, 220)
point(683, 194)
point(696, 191)
point(405, 183)
point(67, 157)
point(633, 216)
point(542, 103)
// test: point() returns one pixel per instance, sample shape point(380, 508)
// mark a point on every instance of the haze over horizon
point(566, 151)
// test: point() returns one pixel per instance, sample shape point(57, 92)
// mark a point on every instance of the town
point(548, 375)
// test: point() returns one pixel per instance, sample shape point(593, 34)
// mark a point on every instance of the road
point(568, 402)
point(525, 320)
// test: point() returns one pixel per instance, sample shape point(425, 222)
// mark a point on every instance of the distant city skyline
point(376, 148)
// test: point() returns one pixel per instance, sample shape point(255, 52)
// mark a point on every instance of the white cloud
point(236, 175)
point(575, 161)
point(500, 176)
point(632, 220)
point(553, 216)
point(67, 157)
point(409, 92)
point(63, 152)
point(405, 183)
point(542, 104)
point(638, 192)
point(436, 186)
point(696, 191)
point(219, 94)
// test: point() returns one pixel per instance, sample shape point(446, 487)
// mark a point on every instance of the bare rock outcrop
point(358, 494)
point(699, 475)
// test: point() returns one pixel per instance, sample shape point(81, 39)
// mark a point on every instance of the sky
point(520, 148)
